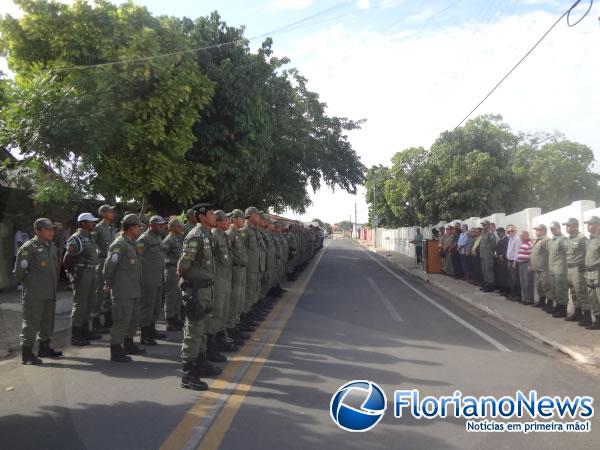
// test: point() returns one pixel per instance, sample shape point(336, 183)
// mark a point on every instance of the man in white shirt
point(511, 256)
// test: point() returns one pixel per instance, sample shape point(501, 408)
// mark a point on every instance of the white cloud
point(363, 4)
point(412, 85)
point(281, 5)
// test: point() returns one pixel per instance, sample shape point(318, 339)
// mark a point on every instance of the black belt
point(239, 265)
point(592, 268)
point(86, 265)
point(170, 265)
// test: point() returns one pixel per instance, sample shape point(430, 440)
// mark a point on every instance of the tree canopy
point(480, 169)
point(212, 120)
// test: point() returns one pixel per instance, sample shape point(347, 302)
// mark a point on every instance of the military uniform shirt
point(150, 248)
point(82, 247)
point(197, 260)
point(36, 267)
point(592, 258)
point(123, 268)
point(237, 244)
point(557, 255)
point(576, 245)
point(104, 235)
point(173, 247)
point(539, 255)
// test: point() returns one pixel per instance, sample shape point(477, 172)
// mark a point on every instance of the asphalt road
point(353, 320)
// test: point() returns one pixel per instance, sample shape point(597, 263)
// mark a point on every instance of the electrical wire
point(567, 14)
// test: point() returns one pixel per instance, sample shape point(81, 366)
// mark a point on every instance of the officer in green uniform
point(196, 267)
point(255, 246)
point(152, 255)
point(36, 267)
point(592, 274)
point(104, 235)
point(190, 222)
point(284, 250)
point(123, 280)
point(538, 264)
point(173, 245)
point(239, 258)
point(216, 335)
point(292, 241)
point(487, 247)
point(576, 245)
point(80, 261)
point(266, 276)
point(557, 257)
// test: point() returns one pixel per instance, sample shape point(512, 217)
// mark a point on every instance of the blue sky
point(414, 68)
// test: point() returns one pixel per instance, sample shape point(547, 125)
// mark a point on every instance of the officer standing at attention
point(255, 246)
point(151, 252)
point(592, 274)
point(217, 339)
point(557, 256)
point(576, 245)
point(104, 234)
point(36, 267)
point(239, 259)
point(197, 269)
point(190, 222)
point(123, 280)
point(173, 244)
point(538, 264)
point(80, 262)
point(487, 247)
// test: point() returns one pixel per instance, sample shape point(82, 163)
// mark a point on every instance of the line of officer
point(104, 234)
point(173, 245)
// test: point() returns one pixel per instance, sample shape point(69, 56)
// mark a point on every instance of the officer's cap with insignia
point(485, 222)
point(131, 219)
point(236, 214)
point(251, 210)
point(157, 220)
point(594, 220)
point(105, 208)
point(541, 226)
point(203, 208)
point(42, 223)
point(554, 224)
point(220, 215)
point(571, 221)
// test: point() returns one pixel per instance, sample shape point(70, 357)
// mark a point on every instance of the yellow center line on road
point(206, 423)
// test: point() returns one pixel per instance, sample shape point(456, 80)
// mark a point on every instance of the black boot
point(586, 319)
point(45, 351)
point(108, 321)
point(212, 352)
point(541, 303)
point(146, 336)
point(173, 324)
point(28, 358)
point(131, 349)
point(86, 333)
point(241, 334)
point(596, 324)
point(190, 379)
point(77, 338)
point(155, 333)
point(549, 307)
point(204, 368)
point(225, 344)
point(98, 328)
point(117, 354)
point(237, 339)
point(575, 317)
point(560, 311)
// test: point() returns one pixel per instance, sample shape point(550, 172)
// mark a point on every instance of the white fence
point(398, 240)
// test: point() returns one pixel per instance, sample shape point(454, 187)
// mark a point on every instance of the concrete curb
point(538, 337)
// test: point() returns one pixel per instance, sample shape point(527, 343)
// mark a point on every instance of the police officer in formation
point(223, 278)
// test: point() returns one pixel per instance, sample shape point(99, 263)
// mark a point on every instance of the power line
point(567, 13)
point(208, 47)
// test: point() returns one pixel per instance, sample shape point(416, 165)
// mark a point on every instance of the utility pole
point(355, 222)
point(374, 213)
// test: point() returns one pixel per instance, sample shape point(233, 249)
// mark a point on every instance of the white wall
point(398, 240)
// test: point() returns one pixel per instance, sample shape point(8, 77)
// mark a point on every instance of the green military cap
point(220, 215)
point(131, 219)
point(174, 222)
point(43, 222)
point(105, 208)
point(594, 220)
point(157, 220)
point(251, 210)
point(554, 224)
point(236, 213)
point(541, 226)
point(572, 221)
point(190, 213)
point(485, 222)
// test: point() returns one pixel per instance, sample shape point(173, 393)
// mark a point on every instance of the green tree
point(376, 181)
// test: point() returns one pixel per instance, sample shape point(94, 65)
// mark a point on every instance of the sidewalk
point(580, 344)
point(11, 316)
